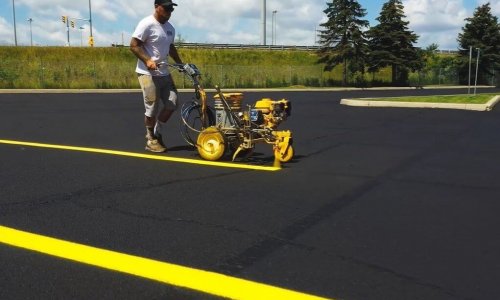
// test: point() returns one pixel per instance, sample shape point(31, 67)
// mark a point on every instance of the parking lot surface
point(378, 203)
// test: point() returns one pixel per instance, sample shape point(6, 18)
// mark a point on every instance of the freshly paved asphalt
point(379, 203)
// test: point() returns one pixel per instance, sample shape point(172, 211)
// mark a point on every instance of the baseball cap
point(165, 3)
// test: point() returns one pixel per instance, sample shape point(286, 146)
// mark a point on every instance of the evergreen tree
point(391, 44)
point(343, 38)
point(481, 31)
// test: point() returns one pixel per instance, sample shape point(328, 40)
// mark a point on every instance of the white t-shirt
point(157, 39)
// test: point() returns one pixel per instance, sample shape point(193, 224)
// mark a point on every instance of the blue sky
point(222, 21)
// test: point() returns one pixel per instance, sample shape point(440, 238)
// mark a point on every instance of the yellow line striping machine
point(228, 128)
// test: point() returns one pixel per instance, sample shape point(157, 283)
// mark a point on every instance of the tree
point(391, 44)
point(343, 38)
point(180, 39)
point(481, 31)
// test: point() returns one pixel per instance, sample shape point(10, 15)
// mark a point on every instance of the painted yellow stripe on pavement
point(141, 155)
point(200, 280)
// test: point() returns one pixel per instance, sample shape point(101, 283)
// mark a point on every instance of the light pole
point(477, 69)
point(470, 68)
point(81, 35)
point(31, 32)
point(315, 35)
point(263, 20)
point(14, 14)
point(273, 40)
point(67, 31)
point(91, 37)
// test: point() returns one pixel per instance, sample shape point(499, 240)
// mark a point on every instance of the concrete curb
point(184, 90)
point(68, 91)
point(375, 103)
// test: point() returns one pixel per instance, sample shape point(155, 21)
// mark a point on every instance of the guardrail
point(267, 47)
point(246, 46)
point(238, 46)
point(259, 47)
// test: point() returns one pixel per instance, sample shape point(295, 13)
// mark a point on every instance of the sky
point(221, 21)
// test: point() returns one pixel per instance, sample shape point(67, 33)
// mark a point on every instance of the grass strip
point(465, 99)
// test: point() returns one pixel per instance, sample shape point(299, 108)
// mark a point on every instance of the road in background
point(379, 203)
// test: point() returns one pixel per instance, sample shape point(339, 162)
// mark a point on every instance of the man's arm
point(136, 48)
point(174, 54)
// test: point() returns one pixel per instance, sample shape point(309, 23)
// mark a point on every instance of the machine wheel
point(211, 145)
point(190, 122)
point(286, 157)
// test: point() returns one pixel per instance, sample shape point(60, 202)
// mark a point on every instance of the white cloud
point(436, 21)
point(239, 21)
point(435, 15)
point(440, 21)
point(109, 10)
point(6, 33)
point(225, 21)
point(494, 4)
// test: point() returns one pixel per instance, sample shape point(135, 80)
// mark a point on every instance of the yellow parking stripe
point(203, 281)
point(141, 155)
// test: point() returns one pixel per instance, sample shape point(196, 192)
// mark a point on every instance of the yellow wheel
point(284, 157)
point(210, 144)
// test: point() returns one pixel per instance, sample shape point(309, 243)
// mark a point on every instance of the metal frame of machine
point(227, 127)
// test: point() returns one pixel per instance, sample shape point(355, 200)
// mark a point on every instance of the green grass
point(468, 99)
point(113, 67)
point(106, 67)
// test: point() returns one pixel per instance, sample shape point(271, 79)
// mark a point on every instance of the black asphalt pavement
point(378, 203)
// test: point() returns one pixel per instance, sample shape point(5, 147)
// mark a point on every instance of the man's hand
point(151, 64)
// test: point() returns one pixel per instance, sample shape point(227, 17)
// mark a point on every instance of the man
point(152, 42)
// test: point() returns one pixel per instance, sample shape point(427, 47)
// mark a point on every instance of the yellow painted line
point(141, 155)
point(200, 280)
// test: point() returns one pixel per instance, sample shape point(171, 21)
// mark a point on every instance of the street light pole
point(315, 35)
point(67, 31)
point(263, 20)
point(91, 38)
point(14, 14)
point(477, 69)
point(273, 40)
point(81, 35)
point(470, 68)
point(31, 32)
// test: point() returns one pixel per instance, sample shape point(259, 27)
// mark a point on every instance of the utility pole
point(31, 32)
point(263, 19)
point(66, 21)
point(14, 14)
point(477, 69)
point(273, 42)
point(91, 37)
point(315, 35)
point(81, 35)
point(470, 68)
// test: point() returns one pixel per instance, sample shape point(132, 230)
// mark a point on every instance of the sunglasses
point(168, 8)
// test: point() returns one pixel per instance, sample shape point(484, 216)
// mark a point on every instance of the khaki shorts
point(156, 90)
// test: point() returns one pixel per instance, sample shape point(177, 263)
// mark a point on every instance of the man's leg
point(168, 96)
point(150, 92)
point(150, 122)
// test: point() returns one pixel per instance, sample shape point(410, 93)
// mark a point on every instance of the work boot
point(160, 140)
point(154, 145)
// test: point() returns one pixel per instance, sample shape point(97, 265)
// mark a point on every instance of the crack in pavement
point(237, 263)
point(32, 205)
